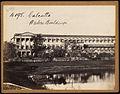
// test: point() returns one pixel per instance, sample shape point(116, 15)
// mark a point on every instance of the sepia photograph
point(59, 46)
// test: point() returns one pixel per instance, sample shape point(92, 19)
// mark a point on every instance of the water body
point(82, 75)
point(90, 80)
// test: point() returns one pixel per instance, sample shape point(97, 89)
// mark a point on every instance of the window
point(31, 39)
point(27, 39)
point(101, 41)
point(85, 40)
point(18, 47)
point(19, 53)
point(57, 40)
point(77, 41)
point(22, 47)
point(44, 40)
point(97, 40)
point(65, 40)
point(18, 40)
point(74, 41)
point(28, 53)
point(61, 40)
point(49, 40)
point(113, 41)
point(90, 40)
point(22, 39)
point(81, 40)
point(23, 54)
point(53, 40)
point(93, 40)
point(26, 47)
point(31, 47)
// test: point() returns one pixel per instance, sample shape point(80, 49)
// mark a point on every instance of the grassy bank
point(59, 67)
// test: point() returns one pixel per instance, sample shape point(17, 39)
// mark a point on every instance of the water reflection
point(86, 80)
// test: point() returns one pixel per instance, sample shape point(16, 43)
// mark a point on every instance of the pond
point(86, 80)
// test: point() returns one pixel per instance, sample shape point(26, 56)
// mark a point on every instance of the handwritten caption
point(37, 18)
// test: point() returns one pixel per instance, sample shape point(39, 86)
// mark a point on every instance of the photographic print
point(59, 46)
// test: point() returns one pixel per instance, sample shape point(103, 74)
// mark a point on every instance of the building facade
point(24, 42)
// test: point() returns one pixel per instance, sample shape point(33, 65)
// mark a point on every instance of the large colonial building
point(24, 42)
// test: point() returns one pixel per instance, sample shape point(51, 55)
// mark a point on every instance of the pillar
point(21, 53)
point(29, 43)
point(20, 43)
point(25, 43)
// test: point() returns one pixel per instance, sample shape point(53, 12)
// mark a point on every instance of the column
point(20, 42)
point(25, 47)
point(25, 43)
point(29, 46)
point(21, 53)
point(29, 43)
point(26, 52)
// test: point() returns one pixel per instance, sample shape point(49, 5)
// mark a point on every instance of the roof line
point(50, 35)
point(47, 35)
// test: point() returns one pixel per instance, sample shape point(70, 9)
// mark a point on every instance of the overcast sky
point(78, 20)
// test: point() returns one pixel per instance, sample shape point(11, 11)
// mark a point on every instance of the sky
point(76, 20)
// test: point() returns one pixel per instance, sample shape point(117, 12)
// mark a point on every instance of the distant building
point(24, 42)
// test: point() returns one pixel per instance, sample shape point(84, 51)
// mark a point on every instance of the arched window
point(22, 39)
point(70, 40)
point(17, 40)
point(66, 40)
point(57, 40)
point(27, 39)
point(81, 40)
point(61, 40)
point(44, 40)
point(53, 40)
point(97, 40)
point(49, 40)
point(101, 40)
point(93, 40)
point(85, 40)
point(113, 40)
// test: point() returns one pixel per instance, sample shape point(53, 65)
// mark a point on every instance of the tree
point(38, 45)
point(59, 52)
point(9, 51)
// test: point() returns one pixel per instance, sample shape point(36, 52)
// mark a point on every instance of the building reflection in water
point(77, 79)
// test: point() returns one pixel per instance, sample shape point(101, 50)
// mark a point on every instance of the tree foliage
point(9, 51)
point(38, 45)
point(59, 52)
